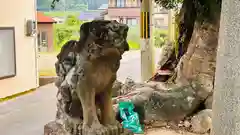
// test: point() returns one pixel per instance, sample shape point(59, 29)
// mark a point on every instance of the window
point(129, 21)
point(159, 21)
point(124, 20)
point(120, 3)
point(132, 21)
point(7, 52)
point(42, 39)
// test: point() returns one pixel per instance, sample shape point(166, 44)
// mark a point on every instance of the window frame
point(14, 54)
point(41, 39)
point(120, 3)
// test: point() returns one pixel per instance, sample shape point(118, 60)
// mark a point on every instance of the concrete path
point(28, 114)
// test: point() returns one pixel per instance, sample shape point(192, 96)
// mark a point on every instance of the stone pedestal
point(54, 128)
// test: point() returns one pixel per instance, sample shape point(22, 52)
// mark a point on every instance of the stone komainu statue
point(86, 71)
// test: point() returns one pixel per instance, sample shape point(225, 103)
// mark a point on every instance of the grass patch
point(133, 45)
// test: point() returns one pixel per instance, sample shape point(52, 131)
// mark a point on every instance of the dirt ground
point(162, 131)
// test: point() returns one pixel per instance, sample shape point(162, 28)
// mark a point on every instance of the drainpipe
point(36, 47)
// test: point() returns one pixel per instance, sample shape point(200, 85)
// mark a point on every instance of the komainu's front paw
point(118, 130)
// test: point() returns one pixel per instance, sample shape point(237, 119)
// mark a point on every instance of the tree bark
point(198, 39)
point(199, 61)
point(186, 19)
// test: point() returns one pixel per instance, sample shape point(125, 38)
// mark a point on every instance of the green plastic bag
point(129, 117)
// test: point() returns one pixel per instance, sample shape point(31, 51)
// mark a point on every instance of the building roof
point(41, 18)
point(89, 15)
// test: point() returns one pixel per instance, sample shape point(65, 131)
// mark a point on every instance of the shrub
point(67, 31)
point(133, 45)
point(159, 37)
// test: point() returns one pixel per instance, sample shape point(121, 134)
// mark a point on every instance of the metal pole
point(147, 65)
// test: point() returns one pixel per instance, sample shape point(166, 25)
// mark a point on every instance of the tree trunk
point(186, 19)
point(196, 66)
point(197, 43)
point(199, 61)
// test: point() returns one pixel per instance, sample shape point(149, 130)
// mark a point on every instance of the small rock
point(187, 124)
point(127, 86)
point(202, 121)
point(129, 82)
point(180, 131)
point(180, 124)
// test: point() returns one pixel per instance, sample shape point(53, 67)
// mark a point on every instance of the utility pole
point(147, 64)
point(171, 25)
